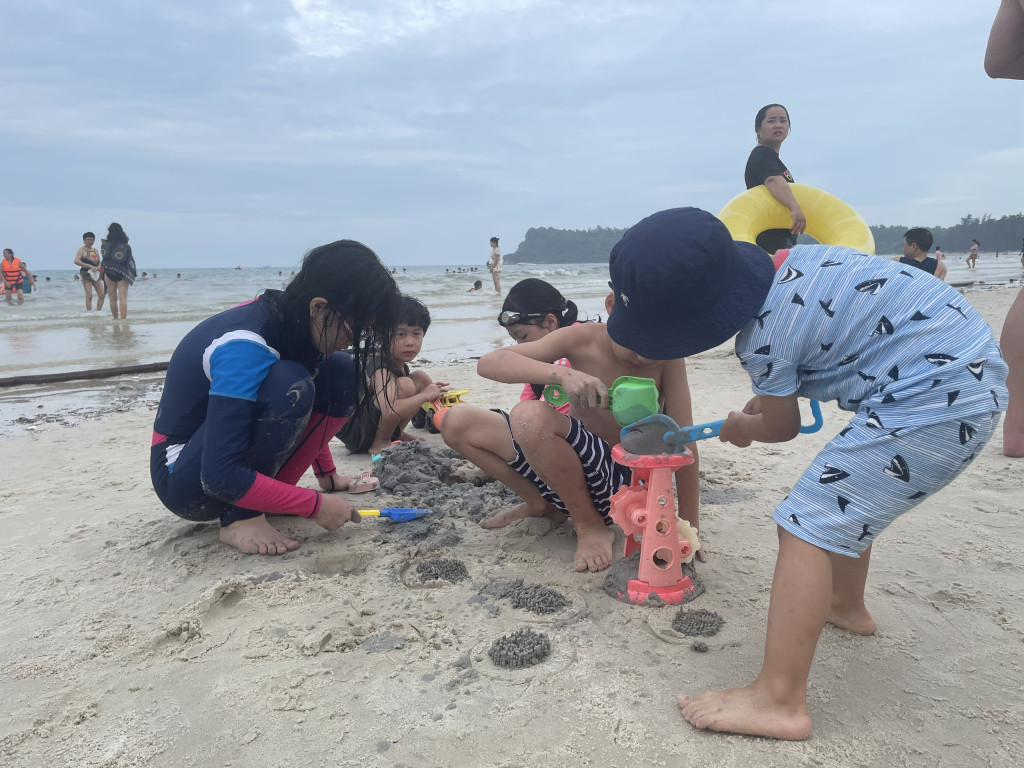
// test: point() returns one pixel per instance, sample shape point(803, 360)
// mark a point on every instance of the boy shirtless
point(561, 465)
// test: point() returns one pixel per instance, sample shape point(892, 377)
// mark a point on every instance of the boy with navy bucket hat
point(906, 354)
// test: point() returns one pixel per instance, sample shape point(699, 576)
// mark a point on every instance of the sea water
point(53, 333)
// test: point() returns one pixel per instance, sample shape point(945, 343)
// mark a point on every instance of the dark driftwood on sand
point(95, 373)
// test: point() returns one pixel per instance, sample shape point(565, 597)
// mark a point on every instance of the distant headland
point(547, 245)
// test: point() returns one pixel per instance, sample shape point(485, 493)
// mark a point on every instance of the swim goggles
point(511, 318)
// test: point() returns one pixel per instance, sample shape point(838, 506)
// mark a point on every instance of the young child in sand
point(907, 355)
point(533, 309)
point(561, 465)
point(396, 393)
point(254, 394)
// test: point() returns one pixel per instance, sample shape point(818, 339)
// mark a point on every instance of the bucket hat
point(683, 285)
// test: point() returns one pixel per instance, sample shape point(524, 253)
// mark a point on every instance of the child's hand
point(335, 512)
point(736, 430)
point(585, 391)
point(434, 391)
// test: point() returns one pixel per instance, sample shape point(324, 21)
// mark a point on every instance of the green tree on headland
point(547, 245)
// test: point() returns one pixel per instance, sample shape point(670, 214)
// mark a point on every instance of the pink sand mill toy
point(646, 510)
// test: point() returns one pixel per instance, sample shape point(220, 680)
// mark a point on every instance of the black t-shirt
point(762, 163)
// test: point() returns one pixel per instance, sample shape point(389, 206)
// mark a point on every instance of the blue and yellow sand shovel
point(659, 433)
point(397, 514)
point(633, 398)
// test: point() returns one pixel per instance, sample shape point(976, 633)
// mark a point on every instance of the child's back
point(874, 335)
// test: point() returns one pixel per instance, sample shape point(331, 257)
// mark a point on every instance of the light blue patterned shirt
point(874, 335)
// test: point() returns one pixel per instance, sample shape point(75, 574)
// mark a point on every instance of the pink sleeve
point(270, 495)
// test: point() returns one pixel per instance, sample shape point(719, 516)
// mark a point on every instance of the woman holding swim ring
point(771, 126)
point(254, 395)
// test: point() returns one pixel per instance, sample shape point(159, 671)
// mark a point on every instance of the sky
point(244, 132)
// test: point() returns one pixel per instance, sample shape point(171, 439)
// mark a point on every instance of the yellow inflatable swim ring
point(829, 220)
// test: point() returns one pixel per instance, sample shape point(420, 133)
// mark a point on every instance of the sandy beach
point(133, 638)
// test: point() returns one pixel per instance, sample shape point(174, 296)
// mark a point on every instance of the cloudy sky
point(223, 132)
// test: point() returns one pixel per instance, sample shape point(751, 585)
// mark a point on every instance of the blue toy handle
point(699, 432)
point(714, 428)
point(806, 429)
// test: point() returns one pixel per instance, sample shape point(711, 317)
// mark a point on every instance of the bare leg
point(390, 421)
point(849, 575)
point(101, 294)
point(112, 290)
point(88, 295)
point(1011, 341)
point(483, 437)
point(256, 536)
point(541, 431)
point(122, 298)
point(775, 704)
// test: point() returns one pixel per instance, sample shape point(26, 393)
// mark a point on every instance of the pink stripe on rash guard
point(270, 495)
point(314, 446)
point(158, 438)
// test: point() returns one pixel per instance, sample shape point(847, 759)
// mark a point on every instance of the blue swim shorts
point(866, 477)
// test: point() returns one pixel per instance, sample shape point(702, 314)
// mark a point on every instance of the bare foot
point(521, 512)
point(747, 711)
point(858, 621)
point(593, 547)
point(255, 536)
point(405, 437)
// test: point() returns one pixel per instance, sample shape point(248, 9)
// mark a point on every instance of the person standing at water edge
point(87, 259)
point(494, 264)
point(15, 272)
point(253, 396)
point(972, 254)
point(118, 269)
point(771, 126)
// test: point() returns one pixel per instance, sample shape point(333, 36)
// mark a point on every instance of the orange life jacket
point(12, 270)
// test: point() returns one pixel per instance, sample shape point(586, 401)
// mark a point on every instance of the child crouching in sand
point(254, 394)
point(561, 465)
point(906, 354)
point(394, 392)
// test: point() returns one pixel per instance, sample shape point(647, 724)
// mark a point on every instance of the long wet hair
point(357, 287)
point(533, 296)
point(115, 234)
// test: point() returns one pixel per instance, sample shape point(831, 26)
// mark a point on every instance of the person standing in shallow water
point(87, 259)
point(254, 394)
point(771, 126)
point(494, 264)
point(118, 268)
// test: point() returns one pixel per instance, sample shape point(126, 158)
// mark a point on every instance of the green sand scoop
point(633, 398)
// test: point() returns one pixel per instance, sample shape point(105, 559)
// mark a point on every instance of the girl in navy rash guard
point(254, 394)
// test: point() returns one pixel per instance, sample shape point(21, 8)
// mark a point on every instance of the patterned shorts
point(602, 475)
point(867, 477)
